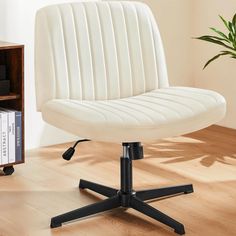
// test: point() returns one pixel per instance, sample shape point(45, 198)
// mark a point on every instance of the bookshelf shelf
point(11, 96)
point(12, 56)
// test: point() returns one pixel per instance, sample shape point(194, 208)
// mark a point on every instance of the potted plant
point(226, 40)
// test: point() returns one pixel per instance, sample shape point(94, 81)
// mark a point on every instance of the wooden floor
point(46, 186)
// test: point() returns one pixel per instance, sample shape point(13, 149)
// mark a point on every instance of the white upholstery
point(101, 74)
point(158, 114)
point(97, 51)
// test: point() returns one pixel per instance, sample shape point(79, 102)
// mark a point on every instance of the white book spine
point(4, 138)
point(11, 137)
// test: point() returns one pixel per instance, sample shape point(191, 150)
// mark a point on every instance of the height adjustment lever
point(67, 155)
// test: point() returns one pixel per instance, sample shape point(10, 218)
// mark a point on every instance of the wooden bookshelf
point(12, 55)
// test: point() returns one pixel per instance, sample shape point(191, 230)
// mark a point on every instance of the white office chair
point(101, 74)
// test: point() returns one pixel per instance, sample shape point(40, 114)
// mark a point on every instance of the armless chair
point(101, 75)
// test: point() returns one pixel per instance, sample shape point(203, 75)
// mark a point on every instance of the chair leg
point(95, 208)
point(126, 196)
point(144, 208)
point(98, 188)
point(163, 192)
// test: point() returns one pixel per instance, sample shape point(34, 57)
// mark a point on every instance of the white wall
point(221, 74)
point(174, 18)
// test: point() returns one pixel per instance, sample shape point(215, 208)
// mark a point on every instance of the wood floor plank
point(47, 186)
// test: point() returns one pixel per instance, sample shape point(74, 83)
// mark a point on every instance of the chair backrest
point(97, 51)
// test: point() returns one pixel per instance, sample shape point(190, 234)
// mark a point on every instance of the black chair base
point(125, 197)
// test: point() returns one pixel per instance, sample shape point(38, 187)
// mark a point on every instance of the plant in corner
point(226, 40)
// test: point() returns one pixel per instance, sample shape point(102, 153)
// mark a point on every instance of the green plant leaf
point(215, 37)
point(231, 38)
point(234, 20)
point(214, 58)
point(209, 39)
point(225, 22)
point(227, 40)
point(230, 53)
point(231, 27)
point(220, 33)
point(234, 25)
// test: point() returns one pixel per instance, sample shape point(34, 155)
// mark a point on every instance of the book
point(4, 137)
point(18, 136)
point(11, 135)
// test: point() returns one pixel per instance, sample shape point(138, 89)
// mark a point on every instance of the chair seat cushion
point(150, 116)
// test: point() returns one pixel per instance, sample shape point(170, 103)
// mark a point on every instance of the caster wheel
point(8, 170)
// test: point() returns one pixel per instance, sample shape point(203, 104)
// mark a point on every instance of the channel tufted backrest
point(97, 51)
